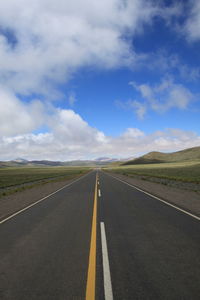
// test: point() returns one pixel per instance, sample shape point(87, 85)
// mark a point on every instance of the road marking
point(99, 192)
point(40, 200)
point(106, 268)
point(157, 198)
point(91, 277)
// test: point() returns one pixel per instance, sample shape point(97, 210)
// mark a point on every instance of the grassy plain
point(12, 177)
point(180, 171)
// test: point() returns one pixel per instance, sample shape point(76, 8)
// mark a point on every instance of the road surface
point(100, 238)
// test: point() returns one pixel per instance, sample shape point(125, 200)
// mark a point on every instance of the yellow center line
point(91, 277)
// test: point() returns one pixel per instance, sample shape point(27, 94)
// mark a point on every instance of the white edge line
point(157, 198)
point(40, 200)
point(106, 268)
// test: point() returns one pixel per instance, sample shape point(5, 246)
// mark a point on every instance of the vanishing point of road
point(100, 238)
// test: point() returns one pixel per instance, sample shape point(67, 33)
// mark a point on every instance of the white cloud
point(45, 41)
point(132, 133)
point(17, 117)
point(163, 62)
point(161, 97)
point(192, 25)
point(70, 137)
point(139, 108)
point(68, 126)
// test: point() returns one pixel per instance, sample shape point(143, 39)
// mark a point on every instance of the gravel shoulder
point(12, 203)
point(183, 198)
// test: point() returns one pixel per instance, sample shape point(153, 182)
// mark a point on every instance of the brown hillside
point(160, 157)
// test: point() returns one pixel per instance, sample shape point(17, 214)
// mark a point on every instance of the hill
point(160, 157)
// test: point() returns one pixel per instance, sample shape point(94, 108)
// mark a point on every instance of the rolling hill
point(189, 154)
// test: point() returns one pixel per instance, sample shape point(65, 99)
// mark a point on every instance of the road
point(99, 238)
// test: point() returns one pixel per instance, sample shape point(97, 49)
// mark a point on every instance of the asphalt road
point(101, 234)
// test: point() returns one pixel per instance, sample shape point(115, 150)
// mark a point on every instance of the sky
point(84, 79)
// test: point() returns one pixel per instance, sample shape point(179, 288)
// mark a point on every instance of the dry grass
point(181, 171)
point(17, 179)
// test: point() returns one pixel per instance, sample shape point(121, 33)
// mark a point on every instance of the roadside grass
point(179, 171)
point(17, 179)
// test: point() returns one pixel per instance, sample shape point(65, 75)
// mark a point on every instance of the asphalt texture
point(44, 250)
point(153, 249)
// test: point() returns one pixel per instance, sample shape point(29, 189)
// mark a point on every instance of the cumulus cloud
point(70, 137)
point(17, 117)
point(161, 97)
point(46, 41)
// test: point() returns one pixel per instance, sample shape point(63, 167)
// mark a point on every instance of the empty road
point(100, 238)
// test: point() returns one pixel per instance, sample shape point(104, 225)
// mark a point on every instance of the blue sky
point(87, 79)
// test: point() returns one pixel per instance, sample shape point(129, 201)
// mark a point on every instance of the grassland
point(186, 155)
point(14, 179)
point(179, 171)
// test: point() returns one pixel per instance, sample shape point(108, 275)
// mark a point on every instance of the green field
point(182, 171)
point(12, 177)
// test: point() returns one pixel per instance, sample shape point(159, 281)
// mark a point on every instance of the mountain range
point(20, 162)
point(189, 154)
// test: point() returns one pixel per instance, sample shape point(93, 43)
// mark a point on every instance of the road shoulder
point(17, 201)
point(187, 200)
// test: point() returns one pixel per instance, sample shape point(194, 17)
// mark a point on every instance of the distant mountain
point(149, 158)
point(82, 163)
point(160, 157)
point(13, 163)
point(20, 162)
point(92, 163)
point(106, 159)
point(46, 163)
